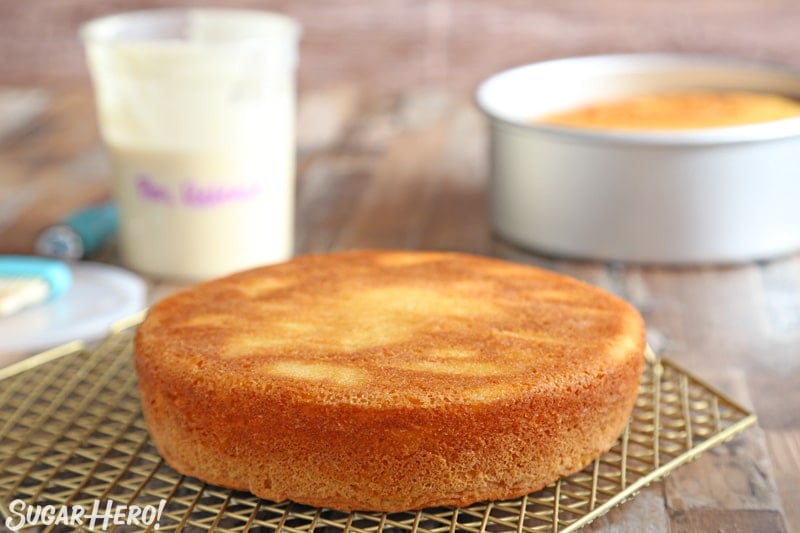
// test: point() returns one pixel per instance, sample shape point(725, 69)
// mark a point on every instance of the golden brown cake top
point(680, 110)
point(393, 328)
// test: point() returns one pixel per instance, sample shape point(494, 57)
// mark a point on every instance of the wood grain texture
point(408, 169)
point(784, 450)
point(708, 520)
point(52, 163)
point(407, 43)
point(646, 513)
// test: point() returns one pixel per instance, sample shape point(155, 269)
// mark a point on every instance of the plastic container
point(197, 111)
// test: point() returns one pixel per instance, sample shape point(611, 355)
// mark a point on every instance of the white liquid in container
point(200, 132)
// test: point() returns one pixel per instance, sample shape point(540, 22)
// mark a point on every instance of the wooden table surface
point(409, 171)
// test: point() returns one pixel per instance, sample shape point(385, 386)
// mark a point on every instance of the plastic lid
point(99, 296)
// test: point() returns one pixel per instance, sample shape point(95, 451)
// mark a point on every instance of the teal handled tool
point(79, 235)
point(25, 281)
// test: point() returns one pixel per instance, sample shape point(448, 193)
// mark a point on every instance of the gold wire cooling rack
point(72, 433)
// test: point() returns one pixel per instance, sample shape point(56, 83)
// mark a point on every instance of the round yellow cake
point(680, 110)
point(385, 381)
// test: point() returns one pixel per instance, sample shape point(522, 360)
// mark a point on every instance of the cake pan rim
point(759, 132)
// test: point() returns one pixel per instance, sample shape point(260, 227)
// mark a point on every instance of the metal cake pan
point(714, 195)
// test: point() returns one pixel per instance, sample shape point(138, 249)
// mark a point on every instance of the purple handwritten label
point(151, 191)
point(194, 195)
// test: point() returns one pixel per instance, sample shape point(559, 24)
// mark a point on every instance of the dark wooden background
point(404, 43)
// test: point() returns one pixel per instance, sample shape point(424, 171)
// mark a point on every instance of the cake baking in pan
point(667, 158)
point(680, 110)
point(384, 381)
